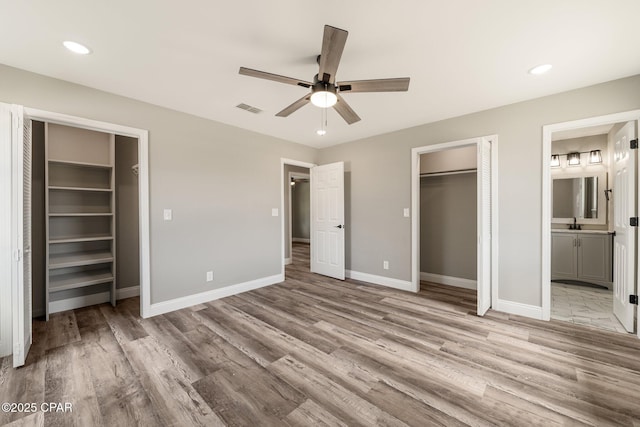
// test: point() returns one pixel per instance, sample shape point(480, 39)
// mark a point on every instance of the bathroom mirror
point(581, 197)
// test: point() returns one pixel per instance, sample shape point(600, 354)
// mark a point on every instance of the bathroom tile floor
point(584, 305)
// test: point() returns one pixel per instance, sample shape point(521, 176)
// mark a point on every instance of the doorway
point(296, 216)
point(486, 215)
point(589, 199)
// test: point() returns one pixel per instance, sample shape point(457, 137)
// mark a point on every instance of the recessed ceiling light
point(540, 69)
point(321, 132)
point(76, 47)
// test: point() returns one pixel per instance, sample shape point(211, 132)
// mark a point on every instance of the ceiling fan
point(325, 92)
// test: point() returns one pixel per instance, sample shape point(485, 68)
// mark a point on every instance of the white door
point(21, 224)
point(327, 220)
point(484, 226)
point(624, 190)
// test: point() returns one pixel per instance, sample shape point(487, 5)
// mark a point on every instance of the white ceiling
point(462, 55)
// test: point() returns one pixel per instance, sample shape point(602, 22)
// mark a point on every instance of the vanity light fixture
point(595, 157)
point(573, 159)
point(555, 160)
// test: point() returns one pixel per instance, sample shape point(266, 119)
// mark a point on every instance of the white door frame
point(290, 162)
point(6, 231)
point(415, 206)
point(547, 132)
point(293, 175)
point(143, 184)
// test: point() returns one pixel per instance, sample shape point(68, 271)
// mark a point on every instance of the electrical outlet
point(209, 276)
point(168, 215)
point(385, 265)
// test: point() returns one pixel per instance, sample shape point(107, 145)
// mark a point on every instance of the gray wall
point(300, 210)
point(287, 184)
point(448, 224)
point(127, 227)
point(380, 182)
point(221, 182)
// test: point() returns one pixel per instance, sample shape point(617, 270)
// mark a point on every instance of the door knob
point(339, 226)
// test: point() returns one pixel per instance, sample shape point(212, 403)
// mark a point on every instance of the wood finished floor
point(316, 351)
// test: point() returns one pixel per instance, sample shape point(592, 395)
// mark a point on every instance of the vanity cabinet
point(582, 256)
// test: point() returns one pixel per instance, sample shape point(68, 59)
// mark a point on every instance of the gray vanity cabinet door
point(564, 262)
point(594, 257)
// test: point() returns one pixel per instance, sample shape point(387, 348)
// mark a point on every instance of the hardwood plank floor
point(315, 351)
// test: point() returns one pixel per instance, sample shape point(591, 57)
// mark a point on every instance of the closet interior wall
point(448, 214)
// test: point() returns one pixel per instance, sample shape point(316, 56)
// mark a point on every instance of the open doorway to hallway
point(296, 217)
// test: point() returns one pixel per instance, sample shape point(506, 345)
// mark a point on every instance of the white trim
point(458, 282)
point(547, 133)
point(520, 309)
point(389, 282)
point(300, 240)
point(288, 261)
point(284, 161)
point(203, 297)
point(143, 184)
point(415, 207)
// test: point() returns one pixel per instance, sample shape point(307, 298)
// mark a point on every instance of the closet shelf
point(81, 279)
point(79, 164)
point(81, 214)
point(76, 259)
point(72, 239)
point(62, 188)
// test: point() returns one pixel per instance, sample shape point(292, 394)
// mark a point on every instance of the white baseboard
point(520, 309)
point(404, 285)
point(287, 261)
point(227, 291)
point(300, 240)
point(78, 302)
point(449, 280)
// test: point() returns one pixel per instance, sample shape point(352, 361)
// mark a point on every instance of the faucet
point(574, 226)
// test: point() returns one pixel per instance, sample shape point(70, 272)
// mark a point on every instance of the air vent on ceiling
point(249, 108)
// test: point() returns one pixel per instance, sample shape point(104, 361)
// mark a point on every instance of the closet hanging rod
point(453, 172)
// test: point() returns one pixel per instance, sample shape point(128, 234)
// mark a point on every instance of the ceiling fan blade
point(295, 106)
point(275, 77)
point(378, 85)
point(345, 111)
point(333, 43)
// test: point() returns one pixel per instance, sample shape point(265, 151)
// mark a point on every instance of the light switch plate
point(406, 212)
point(209, 276)
point(274, 212)
point(168, 215)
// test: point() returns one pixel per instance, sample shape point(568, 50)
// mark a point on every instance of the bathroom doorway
point(589, 245)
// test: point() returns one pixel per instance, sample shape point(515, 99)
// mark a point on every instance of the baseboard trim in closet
point(449, 280)
point(82, 301)
point(287, 261)
point(403, 285)
point(203, 297)
point(128, 292)
point(512, 307)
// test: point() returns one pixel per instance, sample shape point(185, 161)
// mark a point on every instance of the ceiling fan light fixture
point(321, 132)
point(324, 99)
